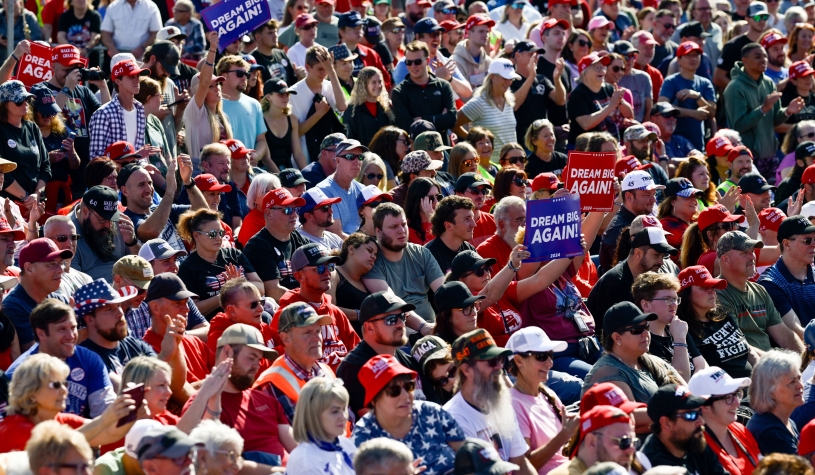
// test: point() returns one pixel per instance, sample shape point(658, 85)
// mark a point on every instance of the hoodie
point(475, 72)
point(743, 100)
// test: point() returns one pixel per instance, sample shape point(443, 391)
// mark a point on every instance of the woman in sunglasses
point(210, 265)
point(543, 420)
point(357, 258)
point(614, 73)
point(514, 25)
point(512, 155)
point(577, 47)
point(456, 310)
point(429, 431)
point(373, 172)
point(394, 31)
point(700, 239)
point(540, 139)
point(510, 182)
point(463, 159)
point(369, 108)
point(422, 197)
point(483, 141)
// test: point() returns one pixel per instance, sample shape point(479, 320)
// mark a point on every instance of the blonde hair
point(533, 130)
point(486, 88)
point(359, 93)
point(372, 158)
point(142, 369)
point(51, 442)
point(216, 116)
point(457, 155)
point(315, 397)
point(32, 375)
point(266, 104)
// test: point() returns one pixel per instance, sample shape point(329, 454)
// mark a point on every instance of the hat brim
point(73, 62)
point(16, 234)
point(170, 253)
point(476, 184)
point(294, 200)
point(139, 284)
point(47, 109)
point(492, 352)
point(509, 75)
point(315, 319)
point(642, 318)
point(8, 282)
point(257, 67)
point(713, 283)
point(664, 248)
point(7, 166)
point(128, 155)
point(180, 448)
point(172, 69)
point(268, 353)
point(434, 165)
point(728, 388)
point(181, 295)
point(384, 196)
point(498, 467)
point(330, 201)
point(738, 218)
point(408, 307)
point(62, 254)
point(687, 193)
point(629, 407)
point(551, 345)
point(301, 180)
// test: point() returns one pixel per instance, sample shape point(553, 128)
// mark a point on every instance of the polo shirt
point(346, 210)
point(789, 293)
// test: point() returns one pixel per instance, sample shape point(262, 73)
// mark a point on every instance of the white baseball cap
point(533, 339)
point(808, 210)
point(714, 381)
point(135, 434)
point(640, 180)
point(504, 68)
point(121, 57)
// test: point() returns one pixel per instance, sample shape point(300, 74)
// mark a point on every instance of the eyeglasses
point(352, 156)
point(414, 62)
point(323, 267)
point(451, 373)
point(390, 320)
point(635, 330)
point(58, 384)
point(583, 43)
point(759, 18)
point(478, 272)
point(478, 191)
point(689, 416)
point(806, 241)
point(374, 176)
point(616, 69)
point(239, 72)
point(289, 210)
point(467, 311)
point(520, 181)
point(624, 442)
point(398, 31)
point(214, 234)
point(395, 390)
point(435, 198)
point(728, 398)
point(668, 26)
point(541, 356)
point(669, 300)
point(78, 468)
point(63, 238)
point(515, 160)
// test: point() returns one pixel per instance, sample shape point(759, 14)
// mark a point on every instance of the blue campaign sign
point(553, 228)
point(234, 18)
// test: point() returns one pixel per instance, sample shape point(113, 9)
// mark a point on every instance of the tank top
point(348, 296)
point(280, 147)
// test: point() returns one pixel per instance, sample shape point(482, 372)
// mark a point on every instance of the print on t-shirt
point(283, 265)
point(511, 319)
point(334, 350)
point(729, 341)
point(216, 282)
point(79, 34)
point(75, 117)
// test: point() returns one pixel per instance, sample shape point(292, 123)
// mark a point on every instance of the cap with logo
point(624, 47)
point(717, 214)
point(332, 140)
point(608, 394)
point(166, 54)
point(119, 57)
point(699, 276)
point(315, 198)
point(455, 295)
point(629, 164)
point(429, 348)
point(121, 150)
point(125, 173)
point(281, 197)
point(14, 91)
point(312, 254)
point(672, 398)
point(553, 22)
point(236, 148)
point(738, 152)
point(476, 456)
point(468, 261)
point(546, 181)
point(350, 20)
point(640, 180)
point(477, 345)
point(66, 55)
point(638, 132)
point(533, 339)
point(665, 109)
point(379, 303)
point(804, 150)
point(681, 187)
point(714, 381)
point(503, 67)
point(166, 442)
point(378, 372)
point(527, 46)
point(207, 182)
point(736, 241)
point(427, 25)
point(596, 418)
point(342, 53)
point(592, 58)
point(369, 194)
point(128, 67)
point(441, 5)
point(372, 29)
point(470, 180)
point(645, 221)
point(755, 183)
point(478, 19)
point(168, 286)
point(97, 294)
point(419, 160)
point(5, 228)
point(299, 315)
point(430, 141)
point(687, 48)
point(349, 144)
point(159, 249)
point(291, 177)
point(757, 8)
point(253, 63)
point(137, 270)
point(170, 33)
point(719, 146)
point(44, 100)
point(104, 201)
point(654, 238)
point(42, 250)
point(693, 28)
point(246, 335)
point(800, 69)
point(136, 433)
point(769, 219)
point(624, 314)
point(772, 39)
point(808, 177)
point(793, 226)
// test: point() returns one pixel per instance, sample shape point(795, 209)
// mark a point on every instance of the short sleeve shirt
point(500, 122)
point(754, 310)
point(582, 102)
point(476, 424)
point(206, 279)
point(444, 255)
point(346, 210)
point(272, 258)
point(168, 233)
point(688, 127)
point(723, 344)
point(539, 423)
point(116, 359)
point(246, 118)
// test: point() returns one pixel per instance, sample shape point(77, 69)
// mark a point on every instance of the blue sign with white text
point(234, 18)
point(553, 228)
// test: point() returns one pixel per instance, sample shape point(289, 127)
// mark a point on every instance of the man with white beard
point(482, 404)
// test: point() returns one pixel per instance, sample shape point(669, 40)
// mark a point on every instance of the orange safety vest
point(284, 379)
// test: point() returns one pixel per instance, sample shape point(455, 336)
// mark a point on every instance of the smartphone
point(137, 394)
point(178, 102)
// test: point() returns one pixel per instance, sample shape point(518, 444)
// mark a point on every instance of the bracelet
point(213, 413)
point(419, 331)
point(212, 65)
point(685, 345)
point(131, 244)
point(190, 186)
point(15, 57)
point(509, 264)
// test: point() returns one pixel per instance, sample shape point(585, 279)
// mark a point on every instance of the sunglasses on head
point(583, 43)
point(623, 443)
point(540, 355)
point(635, 330)
point(395, 390)
point(374, 176)
point(515, 160)
point(214, 234)
point(414, 62)
point(64, 238)
point(446, 379)
point(520, 181)
point(436, 198)
point(239, 72)
point(352, 156)
point(479, 191)
point(323, 267)
point(390, 320)
point(689, 416)
point(616, 69)
point(289, 210)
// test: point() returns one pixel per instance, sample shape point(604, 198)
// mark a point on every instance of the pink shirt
point(538, 423)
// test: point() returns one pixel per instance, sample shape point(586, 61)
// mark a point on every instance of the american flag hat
point(99, 293)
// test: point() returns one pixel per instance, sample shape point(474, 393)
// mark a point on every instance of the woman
point(39, 392)
point(700, 239)
point(204, 119)
point(594, 105)
point(150, 97)
point(492, 107)
point(357, 258)
point(435, 358)
point(456, 310)
point(483, 141)
point(599, 31)
point(22, 143)
point(222, 448)
point(775, 391)
point(367, 201)
point(382, 10)
point(800, 44)
point(254, 83)
point(422, 197)
point(540, 140)
point(26, 25)
point(646, 17)
point(808, 355)
point(707, 321)
point(799, 133)
point(391, 144)
point(514, 25)
point(210, 265)
point(614, 73)
point(800, 84)
point(542, 419)
point(319, 427)
point(373, 172)
point(394, 31)
point(80, 25)
point(626, 361)
point(510, 182)
point(463, 159)
point(254, 220)
point(677, 210)
point(696, 170)
point(735, 446)
point(428, 430)
point(369, 109)
point(791, 185)
point(723, 19)
point(512, 155)
point(578, 46)
point(344, 67)
point(294, 8)
point(282, 128)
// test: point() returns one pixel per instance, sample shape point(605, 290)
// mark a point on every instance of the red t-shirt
point(496, 248)
point(739, 465)
point(502, 318)
point(413, 236)
point(252, 224)
point(219, 324)
point(586, 276)
point(198, 357)
point(484, 228)
point(16, 430)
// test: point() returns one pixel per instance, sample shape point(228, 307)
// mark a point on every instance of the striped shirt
point(789, 293)
point(500, 122)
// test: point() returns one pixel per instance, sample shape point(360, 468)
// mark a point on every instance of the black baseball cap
point(468, 261)
point(167, 286)
point(104, 201)
point(454, 295)
point(277, 85)
point(291, 177)
point(312, 254)
point(525, 46)
point(621, 315)
point(803, 150)
point(167, 54)
point(382, 302)
point(470, 180)
point(624, 47)
point(419, 126)
point(479, 457)
point(665, 108)
point(372, 29)
point(794, 225)
point(125, 172)
point(693, 28)
point(655, 238)
point(671, 398)
point(754, 183)
point(681, 187)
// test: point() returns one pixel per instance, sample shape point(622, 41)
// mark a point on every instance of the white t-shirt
point(297, 54)
point(301, 103)
point(308, 459)
point(475, 424)
point(131, 25)
point(131, 121)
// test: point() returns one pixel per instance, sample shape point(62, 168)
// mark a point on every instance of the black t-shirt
point(584, 101)
point(535, 105)
point(807, 113)
point(25, 147)
point(79, 32)
point(662, 347)
point(705, 463)
point(723, 344)
point(731, 52)
point(663, 51)
point(271, 258)
point(277, 65)
point(444, 255)
point(204, 278)
point(535, 166)
point(557, 114)
point(384, 53)
point(115, 360)
point(59, 170)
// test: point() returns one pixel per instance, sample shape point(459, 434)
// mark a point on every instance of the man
point(664, 115)
point(54, 327)
point(160, 448)
point(740, 163)
point(753, 108)
point(135, 272)
point(62, 232)
point(215, 160)
point(130, 26)
point(533, 92)
point(622, 22)
point(162, 58)
point(350, 30)
point(444, 10)
point(664, 27)
point(646, 45)
point(509, 215)
point(405, 268)
point(343, 184)
point(327, 30)
point(305, 26)
point(109, 124)
point(693, 94)
point(692, 32)
point(639, 196)
point(372, 38)
point(678, 438)
point(757, 16)
point(648, 250)
point(300, 334)
point(183, 19)
point(276, 64)
point(638, 142)
point(606, 435)
point(8, 236)
point(748, 302)
point(382, 316)
point(473, 186)
point(453, 225)
point(270, 250)
point(326, 163)
point(241, 170)
point(316, 216)
point(450, 37)
point(292, 180)
point(414, 12)
point(774, 44)
point(757, 188)
point(553, 36)
point(479, 405)
point(472, 54)
point(423, 96)
point(415, 164)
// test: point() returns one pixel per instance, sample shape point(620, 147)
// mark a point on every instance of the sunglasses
point(446, 379)
point(669, 26)
point(352, 156)
point(24, 101)
point(689, 416)
point(374, 176)
point(631, 55)
point(63, 238)
point(477, 273)
point(467, 311)
point(395, 390)
point(323, 267)
point(374, 204)
point(616, 69)
point(239, 72)
point(404, 141)
point(520, 181)
point(479, 191)
point(541, 356)
point(468, 163)
point(759, 18)
point(583, 43)
point(806, 241)
point(324, 209)
point(635, 330)
point(728, 398)
point(255, 304)
point(449, 11)
point(307, 28)
point(214, 234)
point(435, 198)
point(414, 62)
point(289, 210)
point(517, 6)
point(492, 363)
point(515, 160)
point(58, 384)
point(623, 443)
point(809, 135)
point(398, 31)
point(390, 320)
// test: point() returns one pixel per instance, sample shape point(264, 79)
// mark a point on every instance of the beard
point(113, 334)
point(695, 443)
point(642, 154)
point(327, 223)
point(242, 382)
point(491, 395)
point(387, 243)
point(414, 17)
point(101, 241)
point(603, 455)
point(391, 340)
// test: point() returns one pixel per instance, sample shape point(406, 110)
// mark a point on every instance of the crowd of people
point(303, 251)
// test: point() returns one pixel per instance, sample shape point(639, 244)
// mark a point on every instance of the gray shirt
point(642, 383)
point(86, 260)
point(639, 83)
point(73, 279)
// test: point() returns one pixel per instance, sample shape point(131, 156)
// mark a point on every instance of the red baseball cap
point(121, 150)
point(699, 276)
point(237, 148)
point(806, 443)
point(127, 67)
point(773, 39)
point(281, 197)
point(477, 20)
point(42, 250)
point(450, 25)
point(608, 394)
point(770, 218)
point(800, 69)
point(590, 59)
point(717, 214)
point(688, 47)
point(305, 19)
point(66, 55)
point(333, 2)
point(643, 38)
point(597, 418)
point(378, 372)
point(737, 152)
point(545, 181)
point(5, 228)
point(553, 22)
point(719, 146)
point(567, 2)
point(808, 177)
point(207, 182)
point(629, 164)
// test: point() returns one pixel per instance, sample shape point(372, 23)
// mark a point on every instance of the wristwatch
point(66, 91)
point(191, 185)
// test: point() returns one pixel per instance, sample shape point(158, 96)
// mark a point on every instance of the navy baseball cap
point(426, 25)
point(45, 102)
point(350, 19)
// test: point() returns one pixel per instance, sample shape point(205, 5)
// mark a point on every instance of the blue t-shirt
point(126, 349)
point(678, 147)
point(806, 412)
point(346, 210)
point(246, 118)
point(789, 293)
point(691, 129)
point(314, 173)
point(17, 305)
point(89, 388)
point(777, 76)
point(772, 435)
point(432, 430)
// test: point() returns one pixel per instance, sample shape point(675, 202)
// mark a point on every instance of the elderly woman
point(435, 358)
point(39, 392)
point(776, 390)
point(677, 210)
point(373, 172)
point(483, 141)
point(463, 159)
point(54, 447)
point(357, 258)
point(319, 427)
point(626, 362)
point(540, 140)
point(223, 446)
point(492, 106)
point(254, 221)
point(428, 430)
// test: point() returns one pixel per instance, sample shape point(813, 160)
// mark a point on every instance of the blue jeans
point(566, 386)
point(568, 361)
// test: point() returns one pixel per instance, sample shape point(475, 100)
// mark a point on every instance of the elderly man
point(747, 302)
point(326, 164)
point(509, 215)
point(342, 184)
point(664, 115)
point(62, 232)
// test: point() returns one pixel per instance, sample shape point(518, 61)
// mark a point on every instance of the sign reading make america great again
point(234, 18)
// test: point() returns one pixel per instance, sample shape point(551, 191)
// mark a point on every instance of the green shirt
point(754, 310)
point(110, 463)
point(724, 186)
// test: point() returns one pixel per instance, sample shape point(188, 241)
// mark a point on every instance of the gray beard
point(494, 400)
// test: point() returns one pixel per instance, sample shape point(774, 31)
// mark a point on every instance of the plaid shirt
point(107, 126)
point(194, 44)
